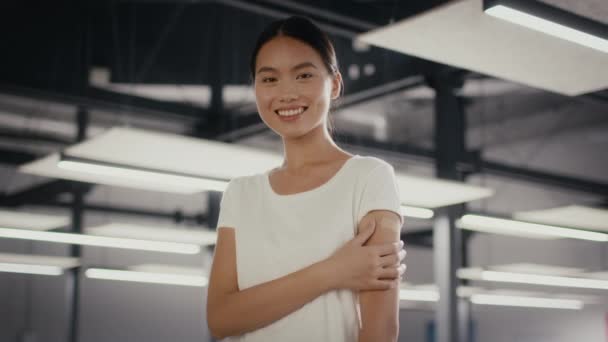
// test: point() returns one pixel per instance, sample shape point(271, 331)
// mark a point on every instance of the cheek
point(262, 97)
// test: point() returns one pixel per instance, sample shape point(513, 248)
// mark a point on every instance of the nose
point(288, 97)
point(288, 93)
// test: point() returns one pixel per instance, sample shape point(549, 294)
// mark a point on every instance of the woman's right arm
point(232, 312)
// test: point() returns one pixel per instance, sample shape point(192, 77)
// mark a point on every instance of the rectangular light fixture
point(19, 219)
point(36, 264)
point(534, 279)
point(431, 295)
point(148, 160)
point(462, 35)
point(576, 216)
point(533, 268)
point(416, 212)
point(197, 236)
point(30, 269)
point(525, 229)
point(117, 158)
point(148, 277)
point(182, 182)
point(422, 192)
point(418, 295)
point(528, 302)
point(549, 20)
point(100, 241)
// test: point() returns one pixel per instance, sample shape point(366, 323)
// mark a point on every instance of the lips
point(291, 111)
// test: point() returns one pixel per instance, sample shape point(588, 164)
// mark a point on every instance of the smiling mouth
point(291, 112)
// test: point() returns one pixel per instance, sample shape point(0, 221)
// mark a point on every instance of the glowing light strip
point(147, 277)
point(416, 212)
point(498, 300)
point(513, 227)
point(139, 175)
point(30, 269)
point(523, 301)
point(418, 295)
point(100, 241)
point(537, 279)
point(548, 27)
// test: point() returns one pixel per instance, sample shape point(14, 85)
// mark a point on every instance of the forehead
point(285, 52)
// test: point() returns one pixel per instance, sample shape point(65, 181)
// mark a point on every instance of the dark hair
point(302, 29)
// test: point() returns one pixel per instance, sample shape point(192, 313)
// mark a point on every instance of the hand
point(359, 267)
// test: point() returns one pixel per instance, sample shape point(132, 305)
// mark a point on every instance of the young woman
point(308, 251)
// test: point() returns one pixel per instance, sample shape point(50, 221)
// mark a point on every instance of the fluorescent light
point(531, 268)
point(463, 36)
point(431, 295)
point(99, 168)
point(568, 216)
point(416, 212)
point(548, 27)
point(147, 277)
point(535, 279)
point(30, 259)
point(18, 219)
point(100, 241)
point(30, 269)
point(116, 158)
point(198, 236)
point(527, 229)
point(418, 295)
point(422, 192)
point(524, 301)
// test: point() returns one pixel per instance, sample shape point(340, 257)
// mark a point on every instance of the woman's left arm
point(380, 309)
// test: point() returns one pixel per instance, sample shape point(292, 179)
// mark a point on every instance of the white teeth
point(290, 112)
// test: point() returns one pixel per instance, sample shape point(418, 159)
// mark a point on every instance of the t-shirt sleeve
point(229, 206)
point(380, 192)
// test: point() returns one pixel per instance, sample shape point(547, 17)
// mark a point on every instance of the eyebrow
point(299, 66)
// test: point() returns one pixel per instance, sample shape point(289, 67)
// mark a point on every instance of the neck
point(316, 147)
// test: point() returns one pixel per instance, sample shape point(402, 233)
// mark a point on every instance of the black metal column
point(452, 314)
point(78, 193)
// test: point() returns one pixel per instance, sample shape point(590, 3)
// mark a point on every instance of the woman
point(310, 250)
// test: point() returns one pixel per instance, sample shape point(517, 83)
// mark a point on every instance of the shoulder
point(241, 183)
point(367, 164)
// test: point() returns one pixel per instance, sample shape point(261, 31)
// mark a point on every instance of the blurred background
point(122, 121)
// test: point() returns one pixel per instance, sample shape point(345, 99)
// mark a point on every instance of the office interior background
point(122, 121)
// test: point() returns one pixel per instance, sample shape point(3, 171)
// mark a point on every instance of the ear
point(336, 85)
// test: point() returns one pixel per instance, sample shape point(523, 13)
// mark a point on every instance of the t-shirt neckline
point(313, 190)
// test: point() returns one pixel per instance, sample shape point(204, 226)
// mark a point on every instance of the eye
point(304, 75)
point(268, 79)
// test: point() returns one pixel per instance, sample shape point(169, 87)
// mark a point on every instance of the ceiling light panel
point(199, 236)
point(61, 262)
point(569, 216)
point(200, 158)
point(460, 34)
point(497, 225)
point(18, 219)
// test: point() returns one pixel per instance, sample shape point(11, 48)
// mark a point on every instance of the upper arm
point(223, 275)
point(380, 309)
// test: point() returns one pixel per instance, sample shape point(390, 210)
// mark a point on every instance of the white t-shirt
point(279, 234)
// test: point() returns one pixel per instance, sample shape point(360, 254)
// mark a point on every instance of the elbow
point(216, 324)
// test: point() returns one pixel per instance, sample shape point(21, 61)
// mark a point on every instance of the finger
point(402, 254)
point(366, 233)
point(389, 273)
point(388, 248)
point(390, 260)
point(402, 269)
